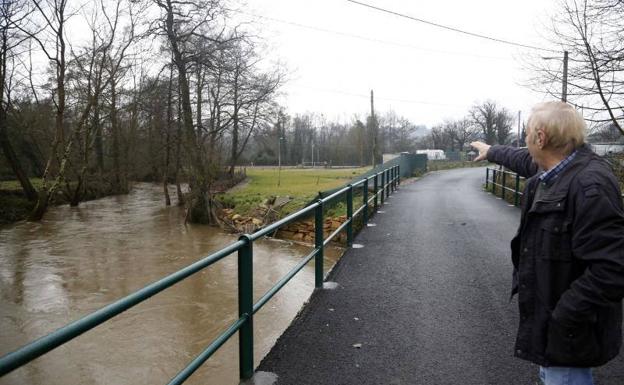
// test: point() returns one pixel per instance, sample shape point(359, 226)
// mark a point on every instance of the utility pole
point(312, 154)
point(279, 159)
point(373, 129)
point(564, 88)
point(564, 82)
point(279, 149)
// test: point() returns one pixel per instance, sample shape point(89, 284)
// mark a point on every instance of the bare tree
point(592, 31)
point(459, 133)
point(484, 116)
point(465, 132)
point(181, 22)
point(50, 36)
point(360, 133)
point(440, 139)
point(503, 123)
point(93, 67)
point(12, 14)
point(251, 97)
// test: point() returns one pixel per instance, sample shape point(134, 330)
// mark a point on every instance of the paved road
point(427, 298)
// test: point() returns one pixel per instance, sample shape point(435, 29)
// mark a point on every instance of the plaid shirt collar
point(552, 174)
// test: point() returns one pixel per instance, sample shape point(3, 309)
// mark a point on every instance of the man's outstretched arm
point(516, 159)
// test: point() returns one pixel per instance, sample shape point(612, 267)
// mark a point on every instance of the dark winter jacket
point(568, 258)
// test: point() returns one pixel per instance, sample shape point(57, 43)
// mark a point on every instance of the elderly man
point(568, 253)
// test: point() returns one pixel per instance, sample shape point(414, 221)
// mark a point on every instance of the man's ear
point(542, 138)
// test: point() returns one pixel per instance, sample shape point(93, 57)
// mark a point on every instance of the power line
point(450, 28)
point(379, 41)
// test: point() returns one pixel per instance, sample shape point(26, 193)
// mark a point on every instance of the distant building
point(389, 157)
point(603, 149)
point(433, 154)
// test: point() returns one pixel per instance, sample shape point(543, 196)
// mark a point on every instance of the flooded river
point(80, 259)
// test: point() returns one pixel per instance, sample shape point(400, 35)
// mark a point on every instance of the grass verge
point(436, 165)
point(301, 185)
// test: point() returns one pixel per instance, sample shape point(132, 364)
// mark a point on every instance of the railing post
point(398, 175)
point(318, 244)
point(487, 177)
point(245, 308)
point(388, 182)
point(365, 201)
point(383, 186)
point(375, 188)
point(504, 185)
point(494, 181)
point(350, 216)
point(516, 198)
point(393, 178)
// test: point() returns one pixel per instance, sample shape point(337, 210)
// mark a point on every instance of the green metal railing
point(503, 176)
point(390, 180)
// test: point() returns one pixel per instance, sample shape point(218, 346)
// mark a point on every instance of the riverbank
point(15, 207)
point(302, 231)
point(264, 196)
point(269, 194)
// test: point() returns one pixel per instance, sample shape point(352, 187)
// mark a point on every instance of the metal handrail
point(44, 344)
point(390, 180)
point(503, 186)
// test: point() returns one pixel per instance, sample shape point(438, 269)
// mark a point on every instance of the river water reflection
point(80, 259)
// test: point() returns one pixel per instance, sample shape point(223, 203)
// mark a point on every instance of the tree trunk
point(14, 162)
point(78, 193)
point(115, 134)
point(41, 207)
point(46, 193)
point(98, 142)
point(130, 157)
point(199, 210)
point(234, 144)
point(199, 205)
point(177, 165)
point(235, 128)
point(5, 143)
point(167, 141)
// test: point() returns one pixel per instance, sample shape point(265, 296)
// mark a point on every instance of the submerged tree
point(12, 15)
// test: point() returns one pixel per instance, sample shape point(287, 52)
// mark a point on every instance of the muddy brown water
point(80, 259)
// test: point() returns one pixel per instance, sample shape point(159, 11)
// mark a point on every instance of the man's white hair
point(562, 124)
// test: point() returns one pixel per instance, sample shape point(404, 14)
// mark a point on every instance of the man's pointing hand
point(482, 148)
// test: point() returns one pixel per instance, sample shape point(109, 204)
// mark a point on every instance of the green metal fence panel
point(454, 156)
point(350, 216)
point(375, 190)
point(35, 349)
point(408, 165)
point(365, 201)
point(245, 308)
point(318, 244)
point(383, 187)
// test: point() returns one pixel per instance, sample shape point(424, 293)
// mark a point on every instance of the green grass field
point(300, 184)
point(14, 185)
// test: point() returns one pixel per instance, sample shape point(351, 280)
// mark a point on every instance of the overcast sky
point(424, 73)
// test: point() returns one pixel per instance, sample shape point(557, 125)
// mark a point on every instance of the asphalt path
point(425, 301)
